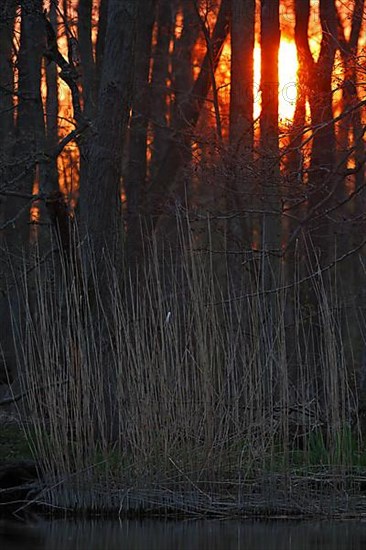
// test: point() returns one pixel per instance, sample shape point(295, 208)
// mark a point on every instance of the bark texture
point(135, 180)
point(160, 83)
point(269, 140)
point(242, 74)
point(241, 128)
point(100, 199)
point(319, 92)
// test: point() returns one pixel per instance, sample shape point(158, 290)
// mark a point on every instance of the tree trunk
point(30, 130)
point(7, 15)
point(160, 82)
point(270, 194)
point(86, 56)
point(352, 122)
point(319, 90)
point(175, 152)
point(88, 72)
point(241, 129)
point(317, 229)
point(350, 218)
point(269, 140)
point(51, 183)
point(182, 64)
point(100, 198)
point(135, 180)
point(320, 99)
point(7, 136)
point(29, 145)
point(100, 45)
point(242, 75)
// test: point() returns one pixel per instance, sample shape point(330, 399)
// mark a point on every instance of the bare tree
point(242, 75)
point(269, 133)
point(100, 45)
point(351, 66)
point(182, 62)
point(241, 125)
point(87, 69)
point(7, 16)
point(100, 199)
point(30, 128)
point(319, 92)
point(51, 181)
point(175, 153)
point(160, 81)
point(87, 64)
point(136, 173)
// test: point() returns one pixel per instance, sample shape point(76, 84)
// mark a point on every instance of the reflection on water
point(182, 535)
point(18, 536)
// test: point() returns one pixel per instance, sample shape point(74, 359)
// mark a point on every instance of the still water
point(182, 535)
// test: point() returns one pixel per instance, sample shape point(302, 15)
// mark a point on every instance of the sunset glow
point(288, 66)
point(287, 76)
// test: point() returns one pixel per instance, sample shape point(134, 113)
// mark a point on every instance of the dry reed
point(168, 388)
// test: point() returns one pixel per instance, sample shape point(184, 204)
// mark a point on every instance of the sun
point(287, 77)
point(287, 72)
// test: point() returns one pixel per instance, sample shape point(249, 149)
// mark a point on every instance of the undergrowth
point(172, 385)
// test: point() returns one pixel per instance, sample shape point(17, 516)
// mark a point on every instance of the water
point(182, 535)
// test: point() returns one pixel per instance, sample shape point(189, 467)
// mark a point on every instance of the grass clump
point(172, 388)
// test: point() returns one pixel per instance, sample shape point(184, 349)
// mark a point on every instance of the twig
point(283, 288)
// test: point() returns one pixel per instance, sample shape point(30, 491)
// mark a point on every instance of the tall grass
point(168, 387)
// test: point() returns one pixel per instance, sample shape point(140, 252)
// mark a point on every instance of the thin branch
point(283, 288)
point(317, 128)
point(338, 180)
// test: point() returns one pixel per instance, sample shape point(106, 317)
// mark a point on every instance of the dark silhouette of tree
point(100, 199)
point(350, 97)
point(160, 81)
point(87, 65)
point(175, 153)
point(182, 62)
point(136, 172)
point(52, 109)
point(241, 126)
point(319, 92)
point(269, 133)
point(84, 49)
point(7, 15)
point(30, 128)
point(100, 44)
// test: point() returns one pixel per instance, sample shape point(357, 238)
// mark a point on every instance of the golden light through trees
point(287, 80)
point(288, 87)
point(68, 162)
point(288, 67)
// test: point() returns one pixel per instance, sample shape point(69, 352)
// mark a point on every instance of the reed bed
point(168, 388)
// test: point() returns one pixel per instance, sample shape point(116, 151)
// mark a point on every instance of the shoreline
point(23, 492)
